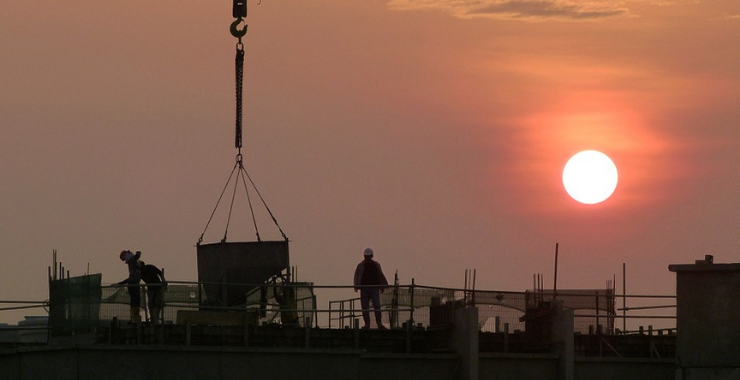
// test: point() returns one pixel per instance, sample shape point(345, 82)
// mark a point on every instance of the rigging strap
point(241, 172)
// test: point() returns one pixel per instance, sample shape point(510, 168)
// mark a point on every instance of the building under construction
point(273, 328)
point(249, 317)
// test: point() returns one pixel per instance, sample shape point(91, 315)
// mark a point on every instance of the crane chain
point(239, 61)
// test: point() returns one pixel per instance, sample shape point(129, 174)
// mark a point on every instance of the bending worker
point(132, 282)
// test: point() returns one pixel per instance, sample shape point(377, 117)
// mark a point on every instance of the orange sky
point(434, 132)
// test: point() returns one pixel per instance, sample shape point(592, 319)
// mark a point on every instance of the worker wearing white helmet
point(370, 282)
point(132, 282)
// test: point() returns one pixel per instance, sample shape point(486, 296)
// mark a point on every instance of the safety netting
point(434, 307)
point(74, 304)
point(115, 301)
point(292, 304)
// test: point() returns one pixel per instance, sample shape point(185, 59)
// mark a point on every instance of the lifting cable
point(240, 12)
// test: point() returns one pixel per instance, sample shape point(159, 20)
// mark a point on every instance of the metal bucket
point(229, 271)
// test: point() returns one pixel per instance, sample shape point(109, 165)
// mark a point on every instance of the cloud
point(518, 9)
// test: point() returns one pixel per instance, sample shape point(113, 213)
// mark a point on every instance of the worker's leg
point(135, 294)
point(365, 304)
point(156, 304)
point(155, 315)
point(375, 294)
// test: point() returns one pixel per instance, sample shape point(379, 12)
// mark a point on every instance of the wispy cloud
point(518, 9)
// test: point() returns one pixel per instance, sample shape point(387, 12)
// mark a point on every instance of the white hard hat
point(368, 252)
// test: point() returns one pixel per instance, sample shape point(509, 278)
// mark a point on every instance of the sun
point(590, 177)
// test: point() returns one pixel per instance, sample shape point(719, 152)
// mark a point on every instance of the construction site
point(248, 316)
point(271, 327)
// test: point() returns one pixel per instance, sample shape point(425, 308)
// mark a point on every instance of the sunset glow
point(435, 131)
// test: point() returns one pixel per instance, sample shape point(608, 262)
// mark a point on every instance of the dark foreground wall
point(625, 369)
point(178, 363)
point(198, 363)
point(545, 367)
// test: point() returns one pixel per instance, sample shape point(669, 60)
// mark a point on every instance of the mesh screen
point(576, 299)
point(80, 303)
point(434, 307)
point(114, 302)
point(73, 304)
point(290, 305)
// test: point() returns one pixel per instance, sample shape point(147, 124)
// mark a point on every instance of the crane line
point(240, 12)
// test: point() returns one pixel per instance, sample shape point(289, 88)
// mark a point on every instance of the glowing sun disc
point(590, 177)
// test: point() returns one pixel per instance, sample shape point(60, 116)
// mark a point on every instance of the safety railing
point(31, 329)
point(417, 305)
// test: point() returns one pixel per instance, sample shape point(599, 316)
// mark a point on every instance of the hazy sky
point(434, 131)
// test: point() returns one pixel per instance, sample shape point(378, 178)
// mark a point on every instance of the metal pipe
point(624, 296)
point(555, 282)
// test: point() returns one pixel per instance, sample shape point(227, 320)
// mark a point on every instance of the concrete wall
point(545, 367)
point(624, 368)
point(708, 309)
point(385, 366)
point(708, 305)
point(518, 367)
point(198, 363)
point(160, 363)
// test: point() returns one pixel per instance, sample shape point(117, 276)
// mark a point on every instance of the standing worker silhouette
point(370, 281)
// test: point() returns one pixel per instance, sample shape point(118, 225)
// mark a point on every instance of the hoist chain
point(239, 78)
point(239, 12)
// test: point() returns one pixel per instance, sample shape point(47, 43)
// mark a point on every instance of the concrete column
point(708, 332)
point(465, 341)
point(562, 340)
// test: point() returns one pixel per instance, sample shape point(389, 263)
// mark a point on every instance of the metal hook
point(236, 32)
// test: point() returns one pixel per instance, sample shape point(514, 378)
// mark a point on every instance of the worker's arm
point(164, 281)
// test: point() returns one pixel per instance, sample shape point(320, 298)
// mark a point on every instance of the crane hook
point(235, 31)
